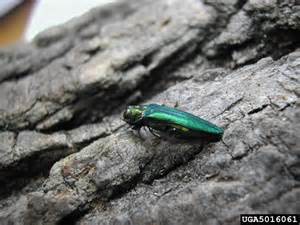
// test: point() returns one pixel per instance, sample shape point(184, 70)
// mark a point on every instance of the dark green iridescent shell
point(164, 114)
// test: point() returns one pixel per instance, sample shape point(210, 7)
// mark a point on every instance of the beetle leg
point(138, 129)
point(145, 128)
point(135, 127)
point(153, 132)
point(225, 143)
point(139, 133)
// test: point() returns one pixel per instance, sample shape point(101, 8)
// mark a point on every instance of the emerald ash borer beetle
point(163, 120)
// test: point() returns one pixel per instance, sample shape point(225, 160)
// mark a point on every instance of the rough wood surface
point(66, 157)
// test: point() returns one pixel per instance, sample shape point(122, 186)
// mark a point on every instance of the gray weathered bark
point(66, 157)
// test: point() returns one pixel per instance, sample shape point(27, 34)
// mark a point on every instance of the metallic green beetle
point(173, 122)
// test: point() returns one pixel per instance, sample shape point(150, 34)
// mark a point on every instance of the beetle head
point(133, 114)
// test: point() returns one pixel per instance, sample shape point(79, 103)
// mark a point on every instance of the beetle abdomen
point(187, 120)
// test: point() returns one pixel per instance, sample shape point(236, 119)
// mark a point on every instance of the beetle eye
point(126, 114)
